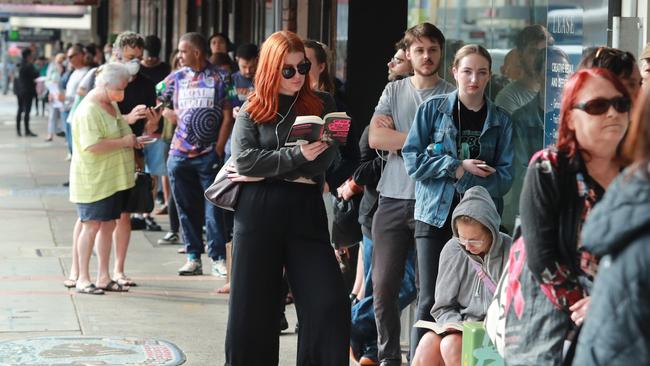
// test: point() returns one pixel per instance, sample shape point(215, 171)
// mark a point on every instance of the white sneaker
point(191, 268)
point(219, 268)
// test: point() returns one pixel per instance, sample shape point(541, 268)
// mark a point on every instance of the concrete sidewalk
point(36, 221)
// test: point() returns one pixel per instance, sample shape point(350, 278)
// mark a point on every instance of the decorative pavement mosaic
point(89, 351)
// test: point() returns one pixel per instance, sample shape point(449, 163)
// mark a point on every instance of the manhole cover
point(77, 351)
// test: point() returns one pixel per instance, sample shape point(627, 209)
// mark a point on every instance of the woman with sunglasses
point(280, 220)
point(470, 266)
point(614, 332)
point(550, 272)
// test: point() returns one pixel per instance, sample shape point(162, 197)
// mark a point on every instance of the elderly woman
point(100, 173)
point(550, 275)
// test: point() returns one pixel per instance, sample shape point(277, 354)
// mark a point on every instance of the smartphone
point(486, 167)
point(158, 107)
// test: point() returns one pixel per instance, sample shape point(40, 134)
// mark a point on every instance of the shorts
point(155, 157)
point(106, 209)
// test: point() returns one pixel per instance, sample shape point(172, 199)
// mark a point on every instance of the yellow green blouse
point(95, 176)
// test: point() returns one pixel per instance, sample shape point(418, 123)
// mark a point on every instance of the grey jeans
point(393, 229)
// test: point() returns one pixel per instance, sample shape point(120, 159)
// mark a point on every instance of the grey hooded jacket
point(460, 294)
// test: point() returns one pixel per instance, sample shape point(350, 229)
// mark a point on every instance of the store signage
point(565, 26)
point(34, 35)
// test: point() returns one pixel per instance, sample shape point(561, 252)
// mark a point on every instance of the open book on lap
point(440, 329)
point(334, 127)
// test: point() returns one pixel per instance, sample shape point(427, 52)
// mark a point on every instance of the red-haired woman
point(280, 220)
point(550, 287)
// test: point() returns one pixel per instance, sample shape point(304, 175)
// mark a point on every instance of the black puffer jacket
point(617, 325)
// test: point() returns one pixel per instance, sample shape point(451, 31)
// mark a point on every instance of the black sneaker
point(60, 134)
point(138, 223)
point(151, 224)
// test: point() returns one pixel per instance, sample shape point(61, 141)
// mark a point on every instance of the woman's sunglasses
point(289, 71)
point(599, 106)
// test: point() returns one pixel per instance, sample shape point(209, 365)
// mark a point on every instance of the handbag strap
point(487, 281)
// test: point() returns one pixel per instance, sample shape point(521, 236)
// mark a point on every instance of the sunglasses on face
point(289, 71)
point(599, 106)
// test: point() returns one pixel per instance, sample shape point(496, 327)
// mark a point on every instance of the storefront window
point(269, 19)
point(526, 82)
point(341, 39)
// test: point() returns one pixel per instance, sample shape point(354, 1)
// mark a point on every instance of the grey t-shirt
point(514, 96)
point(400, 100)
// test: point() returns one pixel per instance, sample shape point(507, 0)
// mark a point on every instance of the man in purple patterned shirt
point(198, 93)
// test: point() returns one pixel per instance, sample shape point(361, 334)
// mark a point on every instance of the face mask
point(133, 67)
point(107, 56)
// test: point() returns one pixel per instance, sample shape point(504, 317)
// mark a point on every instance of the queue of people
point(440, 174)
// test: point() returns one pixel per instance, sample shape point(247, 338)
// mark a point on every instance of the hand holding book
point(440, 329)
point(334, 127)
point(312, 150)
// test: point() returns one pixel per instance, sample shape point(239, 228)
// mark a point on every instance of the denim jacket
point(431, 158)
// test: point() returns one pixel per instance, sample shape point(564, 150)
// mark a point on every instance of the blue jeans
point(364, 328)
point(189, 178)
point(68, 130)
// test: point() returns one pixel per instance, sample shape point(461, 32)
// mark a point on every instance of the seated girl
point(470, 266)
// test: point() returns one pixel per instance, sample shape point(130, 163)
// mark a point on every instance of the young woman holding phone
point(457, 141)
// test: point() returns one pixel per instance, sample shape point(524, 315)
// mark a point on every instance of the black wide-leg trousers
point(280, 225)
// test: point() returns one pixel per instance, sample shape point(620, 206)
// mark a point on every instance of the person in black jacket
point(618, 230)
point(280, 220)
point(25, 89)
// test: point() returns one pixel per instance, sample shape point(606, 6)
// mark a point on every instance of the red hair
point(263, 102)
point(566, 138)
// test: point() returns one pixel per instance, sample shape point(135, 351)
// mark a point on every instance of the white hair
point(112, 74)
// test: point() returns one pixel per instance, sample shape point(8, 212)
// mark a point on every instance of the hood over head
point(478, 204)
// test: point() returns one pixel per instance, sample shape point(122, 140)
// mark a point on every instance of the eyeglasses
point(474, 243)
point(73, 55)
point(289, 71)
point(396, 60)
point(599, 106)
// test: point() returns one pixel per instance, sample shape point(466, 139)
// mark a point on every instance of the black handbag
point(140, 196)
point(223, 192)
point(346, 230)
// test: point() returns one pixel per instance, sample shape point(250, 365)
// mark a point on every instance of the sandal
point(124, 281)
point(90, 290)
point(70, 283)
point(114, 287)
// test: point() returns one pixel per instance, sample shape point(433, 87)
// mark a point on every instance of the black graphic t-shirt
point(469, 130)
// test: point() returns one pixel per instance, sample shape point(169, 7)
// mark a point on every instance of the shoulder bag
point(140, 196)
point(223, 192)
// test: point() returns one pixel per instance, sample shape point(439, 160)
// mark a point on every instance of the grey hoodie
point(460, 294)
